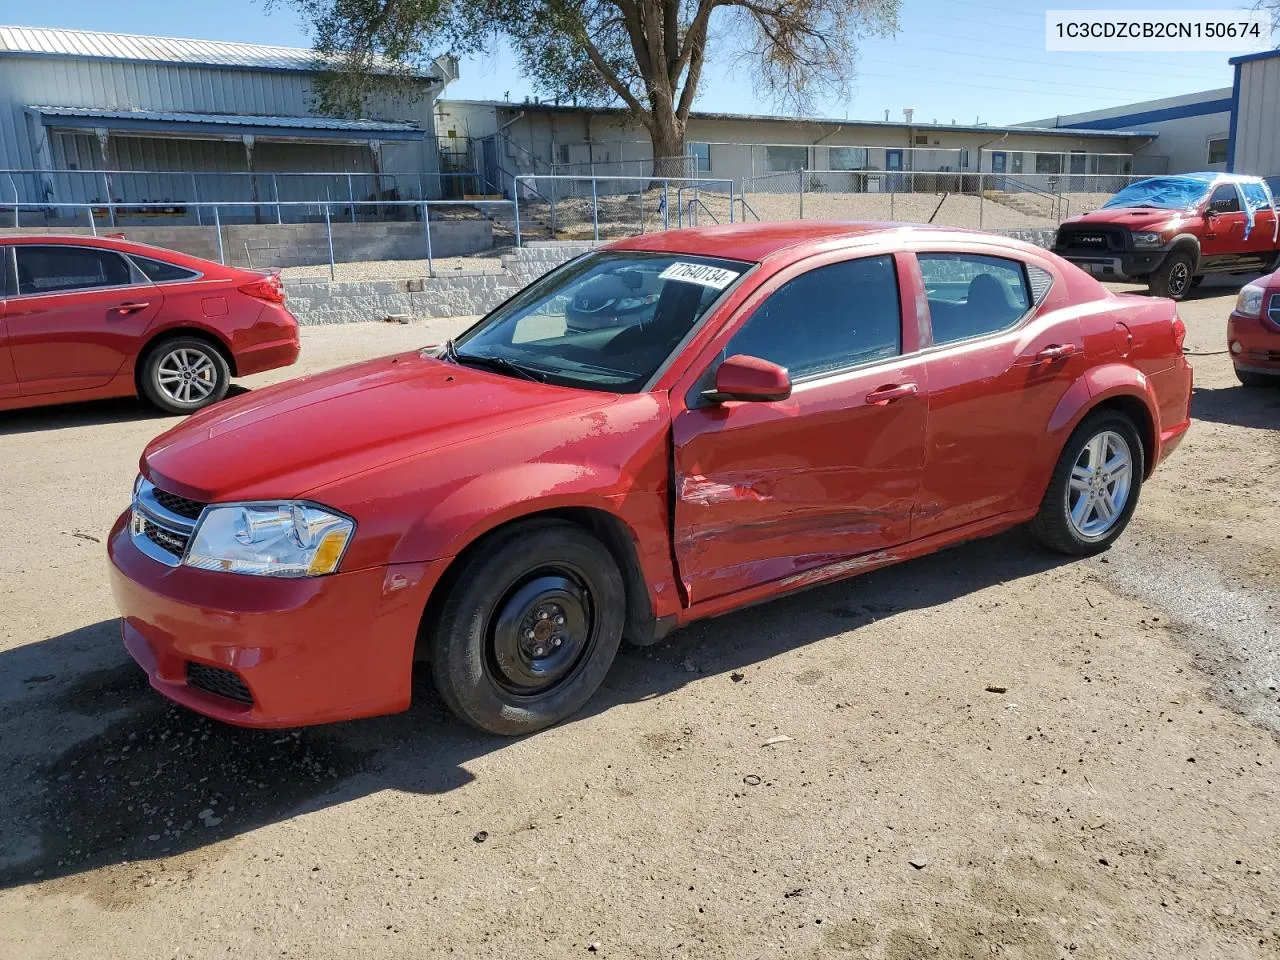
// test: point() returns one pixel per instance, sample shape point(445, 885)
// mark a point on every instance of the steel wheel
point(540, 632)
point(186, 375)
point(1101, 479)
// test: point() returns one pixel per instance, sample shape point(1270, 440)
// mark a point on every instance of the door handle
point(890, 392)
point(1057, 351)
point(127, 308)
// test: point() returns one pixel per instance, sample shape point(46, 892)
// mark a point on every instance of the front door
point(893, 160)
point(77, 317)
point(1224, 225)
point(995, 378)
point(998, 161)
point(774, 491)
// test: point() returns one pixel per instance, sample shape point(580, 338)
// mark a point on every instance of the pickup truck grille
point(1086, 238)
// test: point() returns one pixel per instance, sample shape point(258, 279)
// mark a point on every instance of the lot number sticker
point(716, 277)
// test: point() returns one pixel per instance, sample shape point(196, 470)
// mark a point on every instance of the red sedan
point(801, 402)
point(1253, 333)
point(82, 318)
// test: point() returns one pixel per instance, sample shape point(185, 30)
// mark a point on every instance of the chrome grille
point(162, 523)
point(183, 507)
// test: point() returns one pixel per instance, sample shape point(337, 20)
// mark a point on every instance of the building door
point(893, 162)
point(998, 160)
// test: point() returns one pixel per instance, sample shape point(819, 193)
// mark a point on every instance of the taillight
point(1179, 331)
point(269, 288)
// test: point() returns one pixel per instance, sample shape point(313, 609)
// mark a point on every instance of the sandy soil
point(1119, 799)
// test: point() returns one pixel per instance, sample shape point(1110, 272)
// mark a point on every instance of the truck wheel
point(529, 628)
point(1172, 278)
point(1094, 488)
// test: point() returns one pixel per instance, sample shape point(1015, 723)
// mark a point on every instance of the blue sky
point(952, 60)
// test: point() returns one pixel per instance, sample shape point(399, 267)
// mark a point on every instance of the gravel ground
point(1119, 798)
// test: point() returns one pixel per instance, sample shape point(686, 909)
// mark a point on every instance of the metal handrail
point(325, 206)
point(747, 208)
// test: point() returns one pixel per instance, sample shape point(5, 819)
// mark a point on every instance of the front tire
point(184, 374)
point(529, 628)
point(1172, 278)
point(1094, 488)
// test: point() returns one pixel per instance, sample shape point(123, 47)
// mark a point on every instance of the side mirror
point(750, 379)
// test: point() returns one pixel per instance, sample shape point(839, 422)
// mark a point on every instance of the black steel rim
point(541, 631)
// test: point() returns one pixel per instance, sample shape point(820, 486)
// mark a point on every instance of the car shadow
point(100, 770)
point(1240, 406)
point(88, 413)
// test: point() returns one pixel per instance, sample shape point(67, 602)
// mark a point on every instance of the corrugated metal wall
point(1257, 149)
point(59, 81)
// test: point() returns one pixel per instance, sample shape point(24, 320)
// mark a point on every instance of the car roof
point(755, 242)
point(113, 243)
point(1206, 176)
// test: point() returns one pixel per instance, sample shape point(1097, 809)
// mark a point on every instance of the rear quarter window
point(158, 271)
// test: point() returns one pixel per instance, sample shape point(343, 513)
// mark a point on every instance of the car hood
point(286, 440)
point(1134, 218)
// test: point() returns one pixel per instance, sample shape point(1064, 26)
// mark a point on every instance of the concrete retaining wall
point(456, 295)
point(292, 244)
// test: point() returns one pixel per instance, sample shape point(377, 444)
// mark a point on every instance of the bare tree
point(647, 55)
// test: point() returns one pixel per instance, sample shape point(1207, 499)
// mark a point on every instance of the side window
point(157, 271)
point(1255, 195)
point(971, 295)
point(828, 319)
point(1224, 199)
point(56, 268)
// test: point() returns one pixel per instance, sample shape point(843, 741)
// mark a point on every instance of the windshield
point(1163, 193)
point(606, 321)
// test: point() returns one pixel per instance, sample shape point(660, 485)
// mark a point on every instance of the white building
point(208, 120)
point(1255, 129)
point(1194, 130)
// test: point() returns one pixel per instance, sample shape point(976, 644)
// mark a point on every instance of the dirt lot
point(1120, 798)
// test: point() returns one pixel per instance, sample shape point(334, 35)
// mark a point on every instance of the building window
point(964, 159)
point(779, 159)
point(1048, 163)
point(847, 158)
point(701, 152)
point(922, 139)
point(1218, 150)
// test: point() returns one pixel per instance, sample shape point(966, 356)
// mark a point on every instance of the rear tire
point(1172, 278)
point(1249, 378)
point(529, 628)
point(1094, 488)
point(184, 374)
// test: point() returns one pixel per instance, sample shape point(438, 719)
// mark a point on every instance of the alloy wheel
point(1101, 480)
point(186, 375)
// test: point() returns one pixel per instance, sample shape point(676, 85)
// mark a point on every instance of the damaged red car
point(784, 405)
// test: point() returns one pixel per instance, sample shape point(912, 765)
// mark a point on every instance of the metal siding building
point(81, 100)
point(1255, 127)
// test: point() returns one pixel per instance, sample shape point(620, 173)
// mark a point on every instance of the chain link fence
point(555, 207)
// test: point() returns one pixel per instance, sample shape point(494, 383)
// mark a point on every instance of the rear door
point(769, 491)
point(997, 370)
point(77, 318)
point(1261, 239)
point(8, 379)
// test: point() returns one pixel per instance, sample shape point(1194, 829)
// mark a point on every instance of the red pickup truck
point(1172, 231)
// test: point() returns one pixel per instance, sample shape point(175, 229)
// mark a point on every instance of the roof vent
point(907, 114)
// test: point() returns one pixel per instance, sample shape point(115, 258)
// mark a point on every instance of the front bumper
point(1259, 343)
point(305, 651)
point(1115, 265)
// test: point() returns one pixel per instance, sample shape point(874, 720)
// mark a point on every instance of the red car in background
point(83, 318)
point(799, 403)
point(1253, 333)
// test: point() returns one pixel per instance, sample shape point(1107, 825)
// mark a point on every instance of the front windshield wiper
point(500, 364)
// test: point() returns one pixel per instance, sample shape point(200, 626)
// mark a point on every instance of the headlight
point(1249, 303)
point(284, 539)
point(1147, 240)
